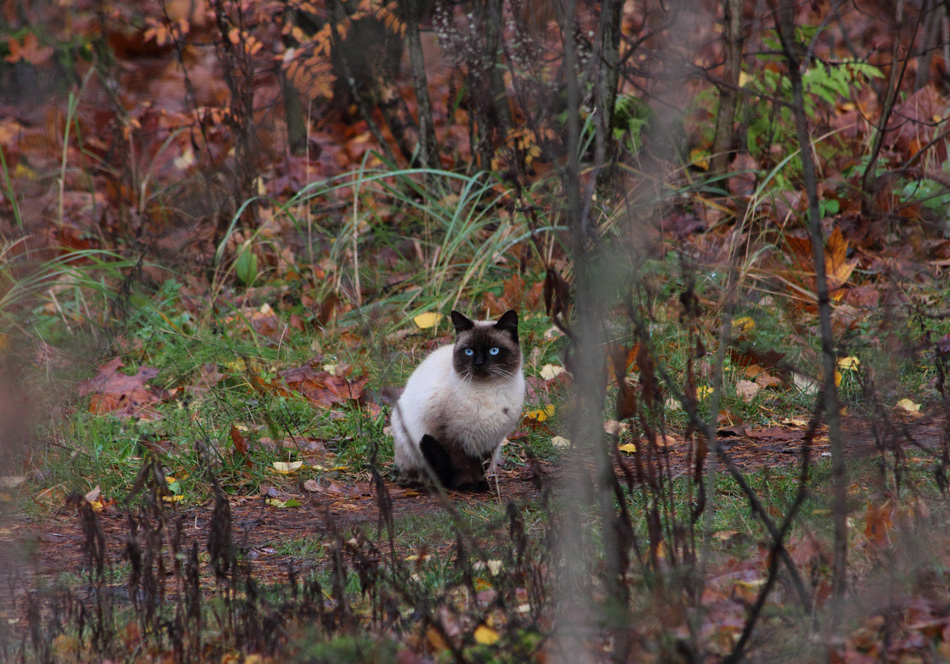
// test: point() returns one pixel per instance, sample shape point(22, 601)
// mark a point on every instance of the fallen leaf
point(560, 441)
point(743, 325)
point(541, 414)
point(286, 467)
point(746, 390)
point(240, 445)
point(126, 396)
point(493, 566)
point(427, 320)
point(767, 380)
point(486, 636)
point(629, 448)
point(794, 422)
point(29, 50)
point(753, 371)
point(663, 441)
point(849, 363)
point(699, 159)
point(877, 521)
point(907, 407)
point(807, 385)
point(703, 391)
point(613, 427)
point(11, 481)
point(550, 371)
point(280, 504)
point(321, 387)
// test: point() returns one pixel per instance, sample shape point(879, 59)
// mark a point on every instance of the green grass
point(461, 257)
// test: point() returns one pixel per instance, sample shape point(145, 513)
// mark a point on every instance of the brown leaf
point(240, 446)
point(517, 295)
point(837, 265)
point(127, 396)
point(208, 377)
point(29, 50)
point(321, 387)
point(877, 521)
point(746, 390)
point(626, 396)
point(557, 295)
point(767, 380)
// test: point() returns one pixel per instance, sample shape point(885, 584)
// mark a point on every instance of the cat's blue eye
point(469, 352)
point(493, 351)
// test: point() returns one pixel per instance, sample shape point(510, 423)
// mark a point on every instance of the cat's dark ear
point(509, 323)
point(462, 322)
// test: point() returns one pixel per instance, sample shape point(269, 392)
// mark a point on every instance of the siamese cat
point(460, 403)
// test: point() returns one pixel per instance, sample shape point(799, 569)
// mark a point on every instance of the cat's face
point(484, 351)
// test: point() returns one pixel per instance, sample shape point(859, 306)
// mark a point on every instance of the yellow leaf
point(172, 499)
point(486, 636)
point(427, 320)
point(743, 325)
point(837, 378)
point(629, 448)
point(560, 441)
point(481, 584)
point(794, 422)
point(551, 371)
point(286, 467)
point(725, 535)
point(699, 158)
point(703, 391)
point(745, 79)
point(849, 363)
point(541, 414)
point(907, 406)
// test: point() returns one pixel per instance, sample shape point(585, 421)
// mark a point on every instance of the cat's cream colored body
point(437, 399)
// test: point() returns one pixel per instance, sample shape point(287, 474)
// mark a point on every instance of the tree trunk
point(729, 91)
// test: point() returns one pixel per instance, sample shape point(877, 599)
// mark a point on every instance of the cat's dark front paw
point(474, 487)
point(438, 460)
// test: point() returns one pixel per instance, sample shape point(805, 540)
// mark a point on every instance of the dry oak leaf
point(746, 390)
point(126, 396)
point(838, 268)
point(767, 380)
point(321, 387)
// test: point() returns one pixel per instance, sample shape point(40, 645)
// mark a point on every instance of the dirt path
point(44, 550)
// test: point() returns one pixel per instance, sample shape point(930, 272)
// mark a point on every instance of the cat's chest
point(473, 411)
point(487, 401)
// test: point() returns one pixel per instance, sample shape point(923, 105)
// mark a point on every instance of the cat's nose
point(479, 359)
